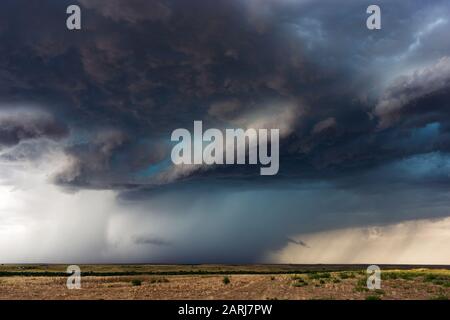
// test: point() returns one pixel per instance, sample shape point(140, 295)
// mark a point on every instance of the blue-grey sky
point(86, 118)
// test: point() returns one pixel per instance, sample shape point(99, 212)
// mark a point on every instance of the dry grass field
point(263, 282)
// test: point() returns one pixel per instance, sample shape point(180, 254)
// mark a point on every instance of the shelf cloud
point(86, 118)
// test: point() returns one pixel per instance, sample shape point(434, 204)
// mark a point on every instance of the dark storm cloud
point(299, 242)
point(134, 12)
point(150, 240)
point(131, 69)
point(92, 159)
point(149, 67)
point(230, 222)
point(17, 125)
point(364, 113)
point(412, 94)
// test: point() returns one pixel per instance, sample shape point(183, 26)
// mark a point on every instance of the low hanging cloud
point(91, 160)
point(149, 240)
point(298, 242)
point(324, 125)
point(20, 124)
point(135, 11)
point(393, 106)
point(283, 116)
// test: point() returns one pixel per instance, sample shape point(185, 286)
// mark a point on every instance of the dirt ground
point(265, 287)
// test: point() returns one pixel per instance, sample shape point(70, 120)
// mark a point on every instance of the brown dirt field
point(204, 287)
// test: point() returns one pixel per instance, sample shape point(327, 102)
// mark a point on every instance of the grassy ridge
point(122, 270)
point(131, 270)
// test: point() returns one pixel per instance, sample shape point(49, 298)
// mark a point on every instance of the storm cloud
point(18, 125)
point(363, 118)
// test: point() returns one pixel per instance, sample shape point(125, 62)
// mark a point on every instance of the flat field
point(262, 282)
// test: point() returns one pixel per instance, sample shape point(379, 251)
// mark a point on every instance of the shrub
point(361, 285)
point(405, 275)
point(300, 282)
point(373, 298)
point(346, 275)
point(136, 282)
point(437, 279)
point(226, 280)
point(322, 275)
